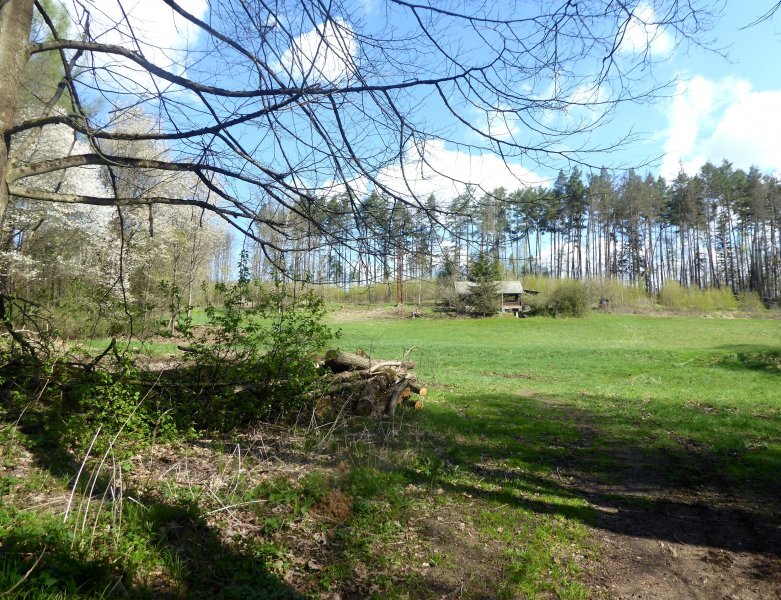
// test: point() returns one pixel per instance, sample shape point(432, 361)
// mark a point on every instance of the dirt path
point(685, 550)
point(661, 541)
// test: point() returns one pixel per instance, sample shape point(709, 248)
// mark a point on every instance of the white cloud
point(323, 54)
point(444, 172)
point(500, 123)
point(162, 36)
point(642, 34)
point(714, 120)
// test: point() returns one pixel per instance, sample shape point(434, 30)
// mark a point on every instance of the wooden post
point(399, 275)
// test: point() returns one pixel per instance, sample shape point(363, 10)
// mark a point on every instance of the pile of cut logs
point(368, 387)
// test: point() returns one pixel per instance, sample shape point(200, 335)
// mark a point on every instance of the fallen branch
point(368, 387)
point(338, 361)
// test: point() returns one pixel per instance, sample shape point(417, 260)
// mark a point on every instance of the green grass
point(694, 401)
point(473, 492)
point(134, 347)
point(706, 380)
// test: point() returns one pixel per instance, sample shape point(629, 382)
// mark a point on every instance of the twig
point(26, 575)
point(238, 471)
point(231, 506)
point(78, 475)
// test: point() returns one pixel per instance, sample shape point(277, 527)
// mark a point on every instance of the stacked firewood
point(368, 387)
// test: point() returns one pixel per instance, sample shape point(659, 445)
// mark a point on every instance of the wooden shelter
point(509, 291)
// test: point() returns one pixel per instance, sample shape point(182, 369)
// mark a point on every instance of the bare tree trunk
point(15, 22)
point(589, 224)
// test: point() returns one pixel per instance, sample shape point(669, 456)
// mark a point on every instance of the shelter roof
point(502, 287)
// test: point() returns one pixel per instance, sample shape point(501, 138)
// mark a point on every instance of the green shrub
point(569, 299)
point(115, 402)
point(714, 299)
point(674, 296)
point(750, 302)
point(620, 296)
point(258, 360)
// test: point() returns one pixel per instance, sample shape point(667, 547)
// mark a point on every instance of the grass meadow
point(656, 382)
point(493, 489)
point(538, 417)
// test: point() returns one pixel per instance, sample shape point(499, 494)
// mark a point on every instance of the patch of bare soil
point(470, 566)
point(334, 507)
point(684, 550)
point(666, 539)
point(349, 313)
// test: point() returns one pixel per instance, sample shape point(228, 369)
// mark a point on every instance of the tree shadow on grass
point(190, 560)
point(764, 359)
point(543, 456)
point(164, 549)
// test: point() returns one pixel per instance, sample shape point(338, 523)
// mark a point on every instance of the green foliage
point(289, 501)
point(178, 315)
point(570, 298)
point(152, 551)
point(566, 297)
point(256, 361)
point(449, 269)
point(446, 284)
point(750, 302)
point(676, 297)
point(620, 297)
point(114, 402)
point(484, 268)
point(105, 407)
point(91, 310)
point(65, 568)
point(259, 359)
point(483, 297)
point(673, 295)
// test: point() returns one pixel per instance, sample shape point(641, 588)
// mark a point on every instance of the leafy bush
point(258, 359)
point(750, 302)
point(676, 297)
point(569, 299)
point(115, 402)
point(620, 296)
point(714, 299)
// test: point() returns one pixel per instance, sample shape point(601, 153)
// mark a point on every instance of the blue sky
point(719, 108)
point(725, 103)
point(723, 108)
